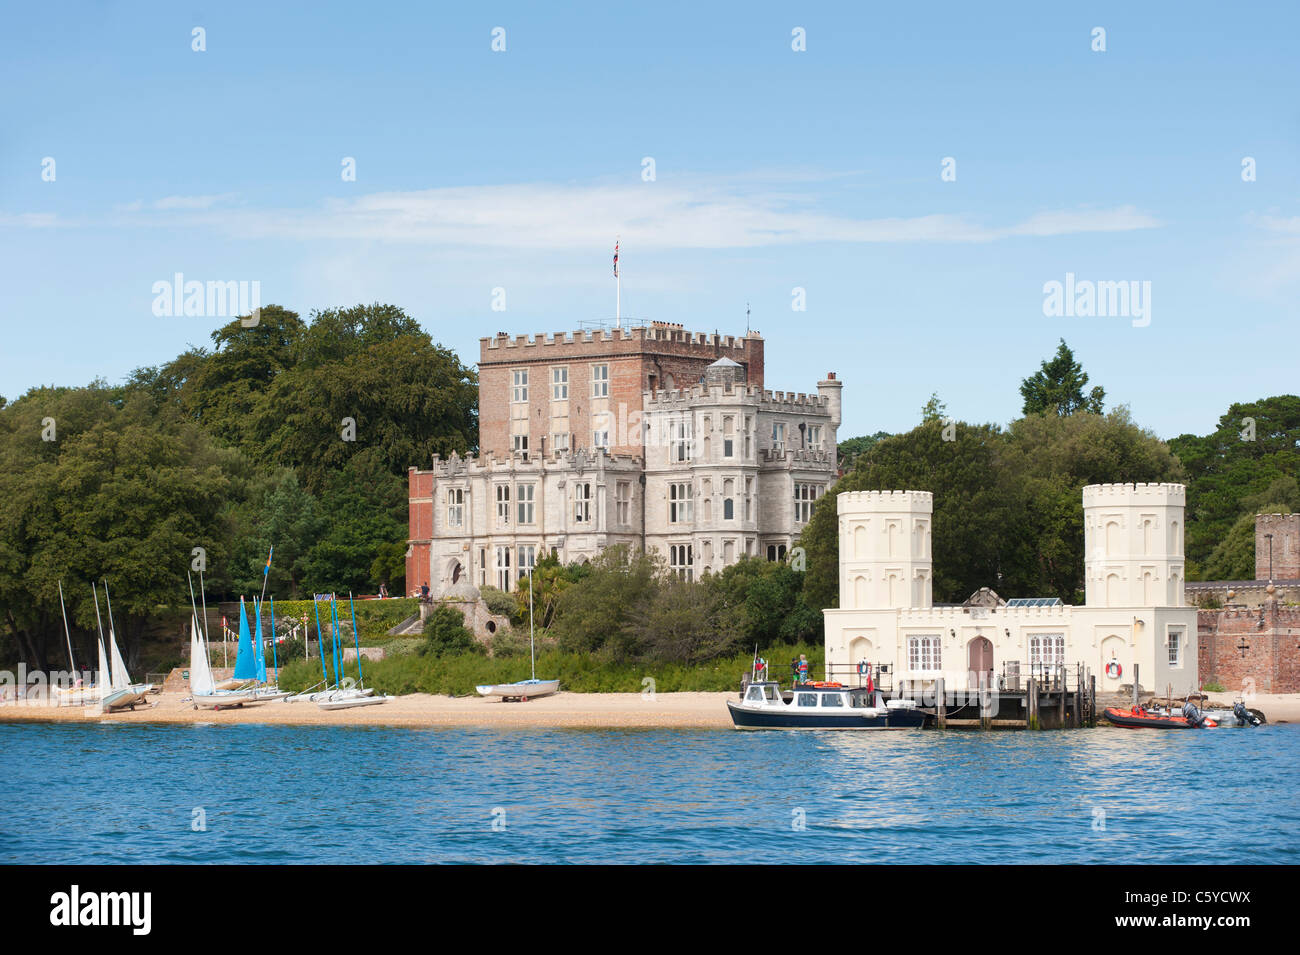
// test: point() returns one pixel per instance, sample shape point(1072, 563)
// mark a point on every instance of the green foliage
point(445, 632)
point(1007, 510)
point(456, 674)
point(374, 617)
point(1248, 463)
point(498, 601)
point(1057, 387)
point(1214, 686)
point(850, 449)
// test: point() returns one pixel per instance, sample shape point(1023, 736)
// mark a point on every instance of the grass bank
point(458, 674)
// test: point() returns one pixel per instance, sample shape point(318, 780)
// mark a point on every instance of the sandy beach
point(563, 710)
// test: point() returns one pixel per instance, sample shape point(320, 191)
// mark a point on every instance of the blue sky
point(774, 170)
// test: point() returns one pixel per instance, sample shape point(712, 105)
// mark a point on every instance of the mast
point(104, 671)
point(532, 652)
point(618, 289)
point(320, 641)
point(275, 657)
point(72, 661)
point(203, 595)
point(356, 640)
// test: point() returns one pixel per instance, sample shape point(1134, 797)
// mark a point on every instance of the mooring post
point(940, 704)
point(1092, 698)
point(1060, 704)
point(1135, 684)
point(1031, 703)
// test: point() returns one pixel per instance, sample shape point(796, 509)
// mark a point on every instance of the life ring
point(1114, 670)
point(864, 668)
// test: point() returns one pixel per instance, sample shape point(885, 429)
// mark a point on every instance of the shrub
point(498, 601)
point(445, 632)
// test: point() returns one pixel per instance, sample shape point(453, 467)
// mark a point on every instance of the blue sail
point(259, 645)
point(245, 664)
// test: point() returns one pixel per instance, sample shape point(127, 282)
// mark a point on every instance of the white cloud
point(738, 213)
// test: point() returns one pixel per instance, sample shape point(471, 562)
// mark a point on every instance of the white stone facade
point(727, 471)
point(1134, 612)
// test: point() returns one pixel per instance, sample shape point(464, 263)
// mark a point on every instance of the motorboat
point(821, 706)
point(1141, 717)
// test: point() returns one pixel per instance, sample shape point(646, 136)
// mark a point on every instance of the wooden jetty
point(1038, 696)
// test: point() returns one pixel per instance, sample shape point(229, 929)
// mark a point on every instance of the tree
point(1255, 444)
point(1057, 387)
point(970, 509)
point(850, 449)
point(934, 409)
point(445, 632)
point(682, 621)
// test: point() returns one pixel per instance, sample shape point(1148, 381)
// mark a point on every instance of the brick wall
point(1234, 651)
point(1285, 529)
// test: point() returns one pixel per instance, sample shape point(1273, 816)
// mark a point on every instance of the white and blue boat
point(524, 690)
point(820, 706)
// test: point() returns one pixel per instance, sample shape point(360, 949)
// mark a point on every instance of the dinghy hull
point(527, 689)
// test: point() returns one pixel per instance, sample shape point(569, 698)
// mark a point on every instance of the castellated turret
point(885, 558)
point(1133, 545)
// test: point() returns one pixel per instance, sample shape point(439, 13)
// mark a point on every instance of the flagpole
point(618, 290)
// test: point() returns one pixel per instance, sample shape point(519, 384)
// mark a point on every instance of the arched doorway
point(979, 662)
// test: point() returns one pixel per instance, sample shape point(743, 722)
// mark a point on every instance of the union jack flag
point(615, 259)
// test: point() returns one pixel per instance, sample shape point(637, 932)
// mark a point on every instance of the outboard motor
point(1244, 716)
point(1192, 714)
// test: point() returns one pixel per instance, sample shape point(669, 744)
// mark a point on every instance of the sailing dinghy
point(341, 697)
point(119, 692)
point(524, 689)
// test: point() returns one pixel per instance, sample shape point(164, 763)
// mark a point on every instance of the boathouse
point(1134, 615)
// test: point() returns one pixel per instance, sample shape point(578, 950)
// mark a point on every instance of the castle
point(1134, 614)
point(653, 436)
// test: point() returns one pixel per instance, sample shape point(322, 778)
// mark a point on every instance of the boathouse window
point(807, 699)
point(455, 506)
point(519, 386)
point(503, 503)
point(1047, 649)
point(1175, 647)
point(560, 383)
point(525, 502)
point(923, 654)
point(503, 569)
point(832, 699)
point(600, 381)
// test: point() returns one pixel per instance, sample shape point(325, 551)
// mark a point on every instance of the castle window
point(680, 507)
point(525, 503)
point(519, 386)
point(503, 503)
point(1047, 649)
point(680, 431)
point(600, 440)
point(728, 436)
point(482, 566)
point(815, 437)
point(600, 381)
point(728, 499)
point(455, 506)
point(560, 441)
point(748, 446)
point(503, 569)
point(778, 436)
point(804, 497)
point(623, 503)
point(680, 561)
point(560, 383)
point(582, 503)
point(527, 559)
point(924, 654)
point(519, 444)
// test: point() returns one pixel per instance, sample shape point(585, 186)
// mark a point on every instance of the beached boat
point(344, 702)
point(119, 693)
point(344, 697)
point(204, 693)
point(821, 706)
point(1139, 717)
point(77, 694)
point(523, 690)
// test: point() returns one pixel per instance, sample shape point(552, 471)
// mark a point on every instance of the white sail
point(101, 680)
point(121, 679)
point(201, 680)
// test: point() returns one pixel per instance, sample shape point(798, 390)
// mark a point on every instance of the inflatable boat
point(1139, 717)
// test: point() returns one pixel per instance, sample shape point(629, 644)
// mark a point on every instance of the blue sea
point(270, 794)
